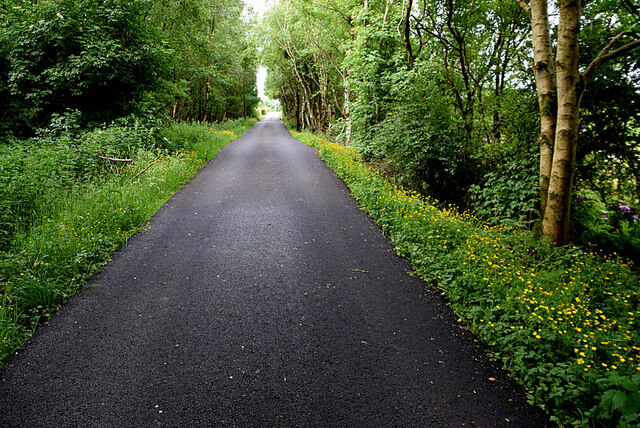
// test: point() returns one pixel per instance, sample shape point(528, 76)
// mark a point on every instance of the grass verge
point(84, 218)
point(563, 321)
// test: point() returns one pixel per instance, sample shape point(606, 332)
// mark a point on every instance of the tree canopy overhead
point(469, 101)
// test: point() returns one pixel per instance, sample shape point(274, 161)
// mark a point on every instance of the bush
point(39, 169)
point(416, 137)
point(508, 196)
point(30, 174)
point(611, 228)
point(98, 57)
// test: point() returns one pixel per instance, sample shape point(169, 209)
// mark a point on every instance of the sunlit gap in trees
point(259, 6)
point(261, 77)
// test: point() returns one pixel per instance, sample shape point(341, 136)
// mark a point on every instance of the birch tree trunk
point(347, 111)
point(207, 89)
point(556, 221)
point(347, 91)
point(545, 76)
point(560, 87)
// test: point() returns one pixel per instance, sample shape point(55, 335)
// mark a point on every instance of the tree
point(464, 53)
point(475, 44)
point(471, 54)
point(100, 58)
point(94, 61)
point(609, 145)
point(560, 86)
point(214, 78)
point(304, 52)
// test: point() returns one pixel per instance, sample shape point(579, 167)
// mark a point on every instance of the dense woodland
point(495, 106)
point(84, 63)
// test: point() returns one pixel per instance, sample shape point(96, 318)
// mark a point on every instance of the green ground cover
point(68, 203)
point(563, 321)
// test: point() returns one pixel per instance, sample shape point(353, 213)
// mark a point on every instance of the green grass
point(563, 321)
point(79, 214)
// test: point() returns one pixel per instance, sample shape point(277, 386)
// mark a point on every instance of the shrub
point(99, 57)
point(508, 196)
point(611, 228)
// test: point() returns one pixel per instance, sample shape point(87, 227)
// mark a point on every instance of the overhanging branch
point(525, 7)
point(606, 54)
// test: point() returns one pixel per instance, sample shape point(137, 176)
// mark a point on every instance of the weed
point(563, 321)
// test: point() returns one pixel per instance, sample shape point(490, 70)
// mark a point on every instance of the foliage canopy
point(89, 62)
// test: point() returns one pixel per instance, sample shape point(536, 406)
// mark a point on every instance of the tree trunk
point(545, 76)
point(306, 103)
point(560, 88)
point(174, 110)
point(386, 13)
point(347, 91)
point(347, 112)
point(244, 96)
point(407, 34)
point(206, 99)
point(555, 223)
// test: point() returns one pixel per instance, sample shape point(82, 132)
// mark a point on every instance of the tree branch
point(114, 159)
point(606, 54)
point(525, 7)
point(141, 172)
point(344, 16)
point(315, 41)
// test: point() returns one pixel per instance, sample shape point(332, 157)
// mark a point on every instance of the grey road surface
point(261, 296)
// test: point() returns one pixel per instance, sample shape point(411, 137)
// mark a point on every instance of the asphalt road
point(261, 296)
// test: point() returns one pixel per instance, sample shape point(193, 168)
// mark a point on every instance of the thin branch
point(401, 19)
point(114, 159)
point(606, 54)
point(138, 174)
point(386, 14)
point(525, 7)
point(315, 41)
point(346, 17)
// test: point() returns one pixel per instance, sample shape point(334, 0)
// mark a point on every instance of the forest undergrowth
point(564, 321)
point(69, 203)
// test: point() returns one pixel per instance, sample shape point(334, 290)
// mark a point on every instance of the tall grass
point(72, 209)
point(563, 321)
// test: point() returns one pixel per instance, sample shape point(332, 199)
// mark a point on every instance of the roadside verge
point(563, 321)
point(85, 218)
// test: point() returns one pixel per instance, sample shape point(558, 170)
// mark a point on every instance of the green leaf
point(629, 384)
point(613, 400)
